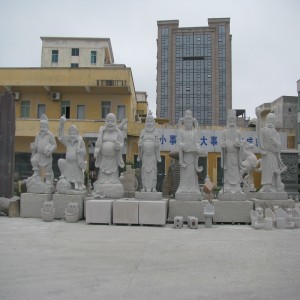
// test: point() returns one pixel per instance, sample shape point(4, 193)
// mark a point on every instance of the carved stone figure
point(209, 212)
point(257, 218)
point(149, 154)
point(296, 215)
point(73, 166)
point(41, 159)
point(108, 155)
point(230, 155)
point(248, 165)
point(48, 211)
point(270, 147)
point(189, 151)
point(72, 213)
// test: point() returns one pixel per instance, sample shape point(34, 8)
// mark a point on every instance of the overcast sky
point(265, 38)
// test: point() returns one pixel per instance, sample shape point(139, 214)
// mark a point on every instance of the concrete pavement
point(59, 260)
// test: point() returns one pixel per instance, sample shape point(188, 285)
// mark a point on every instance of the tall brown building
point(194, 71)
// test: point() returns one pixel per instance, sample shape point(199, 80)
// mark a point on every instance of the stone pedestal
point(14, 208)
point(272, 195)
point(61, 202)
point(31, 204)
point(110, 190)
point(188, 196)
point(186, 208)
point(231, 196)
point(153, 212)
point(288, 203)
point(148, 195)
point(232, 211)
point(126, 211)
point(99, 211)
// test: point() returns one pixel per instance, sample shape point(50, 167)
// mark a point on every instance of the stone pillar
point(7, 145)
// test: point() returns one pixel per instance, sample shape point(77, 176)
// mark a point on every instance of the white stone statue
point(231, 142)
point(73, 166)
point(270, 147)
point(149, 154)
point(41, 159)
point(257, 218)
point(189, 151)
point(108, 155)
point(72, 213)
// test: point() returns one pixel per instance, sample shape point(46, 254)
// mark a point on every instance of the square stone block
point(232, 211)
point(61, 202)
point(99, 211)
point(31, 204)
point(186, 208)
point(178, 222)
point(125, 211)
point(153, 212)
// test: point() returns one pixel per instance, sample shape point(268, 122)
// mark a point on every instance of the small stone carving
point(189, 151)
point(296, 215)
point(48, 211)
point(289, 219)
point(248, 165)
point(270, 147)
point(257, 218)
point(209, 212)
point(72, 213)
point(230, 145)
point(280, 218)
point(270, 214)
point(192, 222)
point(149, 154)
point(73, 166)
point(108, 154)
point(178, 222)
point(41, 160)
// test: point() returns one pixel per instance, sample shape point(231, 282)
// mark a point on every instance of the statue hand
point(117, 146)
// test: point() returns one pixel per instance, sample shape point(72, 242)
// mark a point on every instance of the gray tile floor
point(59, 260)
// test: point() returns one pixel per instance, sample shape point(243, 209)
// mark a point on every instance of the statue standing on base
point(149, 154)
point(230, 159)
point(270, 147)
point(73, 166)
point(189, 151)
point(108, 155)
point(41, 160)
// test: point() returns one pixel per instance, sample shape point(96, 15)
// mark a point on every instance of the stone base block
point(99, 211)
point(188, 196)
point(232, 211)
point(110, 190)
point(61, 202)
point(272, 195)
point(288, 203)
point(126, 212)
point(148, 195)
point(14, 208)
point(31, 204)
point(232, 196)
point(153, 212)
point(186, 208)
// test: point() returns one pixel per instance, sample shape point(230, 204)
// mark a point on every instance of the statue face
point(43, 128)
point(231, 122)
point(73, 135)
point(149, 124)
point(110, 121)
point(188, 124)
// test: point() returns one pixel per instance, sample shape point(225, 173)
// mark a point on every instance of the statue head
point(270, 120)
point(110, 121)
point(259, 211)
point(231, 118)
point(188, 121)
point(73, 132)
point(44, 124)
point(150, 122)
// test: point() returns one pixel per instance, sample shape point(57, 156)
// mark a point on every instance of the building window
point(74, 65)
point(105, 109)
point(25, 109)
point(93, 57)
point(75, 51)
point(65, 109)
point(121, 112)
point(80, 112)
point(41, 109)
point(54, 56)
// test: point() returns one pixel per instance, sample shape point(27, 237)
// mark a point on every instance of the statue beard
point(231, 133)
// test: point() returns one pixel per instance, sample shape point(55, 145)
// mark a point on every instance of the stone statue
point(189, 152)
point(41, 159)
point(72, 213)
point(230, 155)
point(257, 218)
point(149, 154)
point(270, 146)
point(209, 212)
point(73, 166)
point(108, 155)
point(48, 211)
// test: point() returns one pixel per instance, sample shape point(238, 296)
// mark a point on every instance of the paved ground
point(78, 261)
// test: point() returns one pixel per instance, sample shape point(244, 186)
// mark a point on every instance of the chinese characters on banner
point(209, 139)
